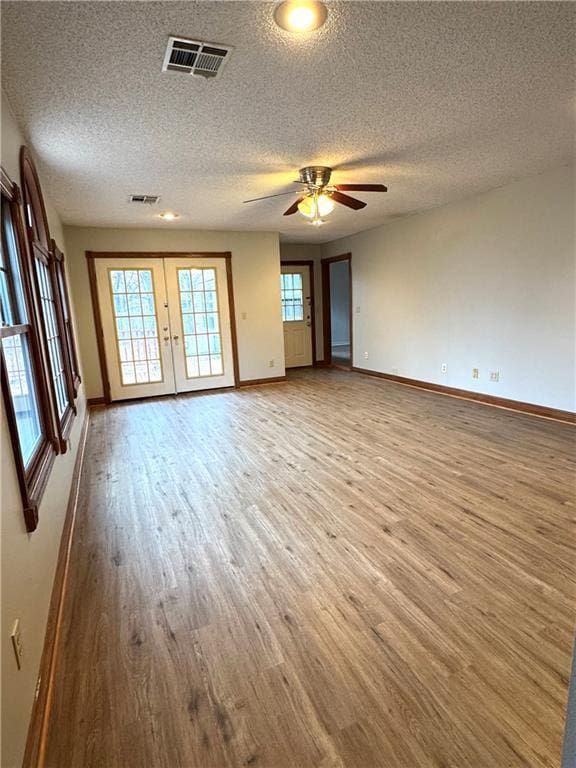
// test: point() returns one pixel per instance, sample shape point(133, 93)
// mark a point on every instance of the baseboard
point(252, 382)
point(37, 730)
point(543, 411)
point(95, 401)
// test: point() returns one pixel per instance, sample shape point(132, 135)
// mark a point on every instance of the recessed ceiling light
point(300, 15)
point(169, 216)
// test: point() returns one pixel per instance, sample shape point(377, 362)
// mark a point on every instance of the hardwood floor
point(332, 571)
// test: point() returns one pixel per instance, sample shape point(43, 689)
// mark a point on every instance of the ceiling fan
point(318, 196)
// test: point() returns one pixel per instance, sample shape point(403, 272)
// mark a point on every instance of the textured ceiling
point(436, 100)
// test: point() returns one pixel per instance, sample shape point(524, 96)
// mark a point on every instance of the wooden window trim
point(70, 341)
point(32, 480)
point(40, 248)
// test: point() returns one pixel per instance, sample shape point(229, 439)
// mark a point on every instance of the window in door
point(200, 322)
point(292, 297)
point(136, 325)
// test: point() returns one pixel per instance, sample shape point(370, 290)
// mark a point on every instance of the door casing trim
point(327, 323)
point(91, 257)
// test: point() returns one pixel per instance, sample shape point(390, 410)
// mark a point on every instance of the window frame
point(64, 299)
point(32, 479)
point(41, 250)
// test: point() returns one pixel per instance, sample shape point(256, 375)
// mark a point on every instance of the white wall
point(487, 282)
point(308, 252)
point(256, 278)
point(28, 560)
point(339, 303)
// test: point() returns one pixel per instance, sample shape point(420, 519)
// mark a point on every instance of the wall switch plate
point(243, 315)
point(494, 375)
point(16, 637)
point(475, 373)
point(444, 368)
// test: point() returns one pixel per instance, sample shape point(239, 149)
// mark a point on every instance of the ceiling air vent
point(146, 199)
point(195, 58)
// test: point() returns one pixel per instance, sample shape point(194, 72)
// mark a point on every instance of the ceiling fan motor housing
point(315, 175)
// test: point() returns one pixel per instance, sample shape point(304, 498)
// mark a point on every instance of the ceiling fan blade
point(294, 207)
point(361, 187)
point(267, 197)
point(349, 202)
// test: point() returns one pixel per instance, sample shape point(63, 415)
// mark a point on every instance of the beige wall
point(487, 282)
point(28, 560)
point(309, 252)
point(256, 277)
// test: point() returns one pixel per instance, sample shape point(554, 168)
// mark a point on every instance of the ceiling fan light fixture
point(300, 15)
point(316, 206)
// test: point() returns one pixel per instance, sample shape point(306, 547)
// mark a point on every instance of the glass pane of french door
point(200, 321)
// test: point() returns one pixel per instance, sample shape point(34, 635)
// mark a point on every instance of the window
point(292, 296)
point(23, 385)
point(50, 300)
point(136, 326)
point(200, 322)
point(66, 314)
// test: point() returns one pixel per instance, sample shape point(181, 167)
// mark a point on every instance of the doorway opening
point(337, 299)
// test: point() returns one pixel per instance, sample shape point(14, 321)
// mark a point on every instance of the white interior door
point(134, 313)
point(199, 310)
point(296, 315)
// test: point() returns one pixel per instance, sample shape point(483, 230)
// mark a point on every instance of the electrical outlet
point(395, 371)
point(244, 315)
point(16, 637)
point(270, 363)
point(475, 373)
point(358, 309)
point(444, 368)
point(494, 375)
point(365, 355)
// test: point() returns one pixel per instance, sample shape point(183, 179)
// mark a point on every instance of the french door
point(165, 325)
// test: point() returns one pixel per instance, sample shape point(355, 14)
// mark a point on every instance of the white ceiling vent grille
point(195, 58)
point(146, 199)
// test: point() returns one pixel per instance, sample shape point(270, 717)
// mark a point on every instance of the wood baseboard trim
point(37, 731)
point(96, 401)
point(542, 411)
point(254, 382)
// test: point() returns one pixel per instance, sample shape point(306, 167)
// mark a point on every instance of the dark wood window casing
point(69, 340)
point(47, 293)
point(22, 369)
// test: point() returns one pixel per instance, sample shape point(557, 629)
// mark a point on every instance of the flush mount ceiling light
point(300, 15)
point(169, 216)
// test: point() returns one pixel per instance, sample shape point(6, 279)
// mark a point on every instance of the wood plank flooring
point(333, 571)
